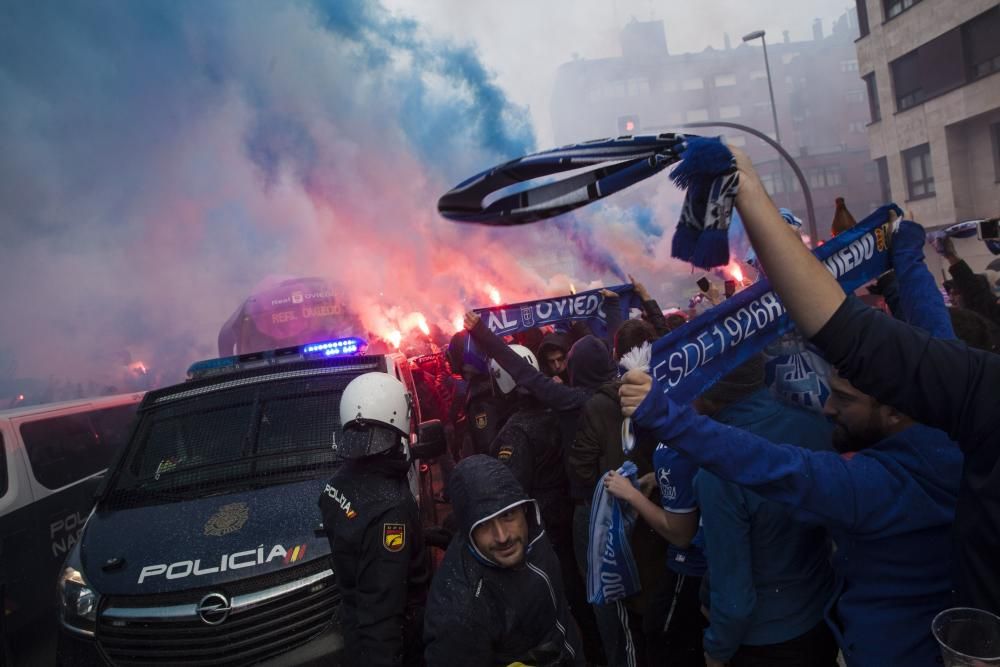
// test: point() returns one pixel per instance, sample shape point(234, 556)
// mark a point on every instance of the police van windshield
point(254, 434)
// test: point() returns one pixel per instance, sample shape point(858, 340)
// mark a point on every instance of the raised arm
point(942, 383)
point(819, 487)
point(920, 301)
point(552, 394)
point(652, 309)
point(806, 288)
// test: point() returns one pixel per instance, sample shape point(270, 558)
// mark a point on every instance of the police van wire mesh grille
point(228, 441)
point(261, 631)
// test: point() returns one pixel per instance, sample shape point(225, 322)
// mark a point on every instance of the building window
point(873, 106)
point(982, 46)
point(674, 118)
point(995, 134)
point(894, 8)
point(758, 74)
point(919, 172)
point(848, 65)
point(692, 84)
point(637, 87)
point(855, 96)
point(862, 6)
point(669, 86)
point(732, 111)
point(906, 81)
point(788, 57)
point(882, 167)
point(855, 127)
point(772, 183)
point(824, 177)
point(722, 80)
point(696, 115)
point(928, 71)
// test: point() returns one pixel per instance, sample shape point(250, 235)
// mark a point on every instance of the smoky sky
point(161, 159)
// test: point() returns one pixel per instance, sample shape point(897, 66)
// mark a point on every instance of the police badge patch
point(228, 519)
point(481, 420)
point(393, 536)
point(505, 453)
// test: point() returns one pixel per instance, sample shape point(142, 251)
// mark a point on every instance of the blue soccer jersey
point(675, 477)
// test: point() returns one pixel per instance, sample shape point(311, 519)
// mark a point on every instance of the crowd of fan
point(767, 533)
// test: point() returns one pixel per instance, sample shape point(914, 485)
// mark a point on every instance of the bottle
point(842, 218)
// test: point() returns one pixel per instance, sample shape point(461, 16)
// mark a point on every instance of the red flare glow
point(422, 324)
point(138, 367)
point(458, 322)
point(572, 288)
point(396, 338)
point(494, 294)
point(736, 272)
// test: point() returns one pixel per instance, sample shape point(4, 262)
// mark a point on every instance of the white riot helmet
point(374, 415)
point(503, 379)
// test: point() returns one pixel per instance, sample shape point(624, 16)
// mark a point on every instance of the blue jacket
point(948, 385)
point(770, 575)
point(889, 509)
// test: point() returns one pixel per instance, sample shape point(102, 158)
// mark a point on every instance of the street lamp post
point(759, 34)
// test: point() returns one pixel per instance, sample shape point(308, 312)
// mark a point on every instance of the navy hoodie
point(948, 385)
point(889, 508)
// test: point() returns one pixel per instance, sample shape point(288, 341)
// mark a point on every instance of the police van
point(51, 460)
point(206, 544)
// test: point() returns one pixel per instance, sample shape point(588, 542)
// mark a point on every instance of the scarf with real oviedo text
point(586, 306)
point(611, 570)
point(688, 360)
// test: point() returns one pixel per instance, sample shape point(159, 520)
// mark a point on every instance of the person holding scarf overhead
point(888, 499)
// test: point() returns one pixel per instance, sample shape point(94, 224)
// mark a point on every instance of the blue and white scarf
point(603, 167)
point(611, 570)
point(586, 306)
point(690, 359)
point(708, 173)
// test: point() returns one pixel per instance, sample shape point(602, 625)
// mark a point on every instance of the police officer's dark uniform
point(373, 525)
point(484, 411)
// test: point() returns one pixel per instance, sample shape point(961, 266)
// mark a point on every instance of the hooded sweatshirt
point(480, 613)
point(889, 508)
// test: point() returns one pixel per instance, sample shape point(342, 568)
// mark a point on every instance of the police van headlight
point(77, 602)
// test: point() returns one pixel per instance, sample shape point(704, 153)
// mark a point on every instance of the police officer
point(484, 411)
point(371, 520)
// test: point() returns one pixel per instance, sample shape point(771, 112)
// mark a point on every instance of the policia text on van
point(206, 545)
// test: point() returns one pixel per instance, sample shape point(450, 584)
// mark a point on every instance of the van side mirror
point(430, 440)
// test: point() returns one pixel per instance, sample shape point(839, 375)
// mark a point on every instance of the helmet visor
point(360, 439)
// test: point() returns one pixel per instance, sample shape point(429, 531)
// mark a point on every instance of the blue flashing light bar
point(340, 347)
point(333, 348)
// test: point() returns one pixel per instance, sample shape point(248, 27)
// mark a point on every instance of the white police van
point(206, 545)
point(51, 460)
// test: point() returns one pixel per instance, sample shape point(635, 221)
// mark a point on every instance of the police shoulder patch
point(394, 536)
point(481, 420)
point(505, 453)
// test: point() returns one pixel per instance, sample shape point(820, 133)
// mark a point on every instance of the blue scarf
point(605, 166)
point(690, 359)
point(611, 570)
point(510, 319)
point(708, 173)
